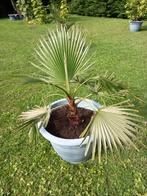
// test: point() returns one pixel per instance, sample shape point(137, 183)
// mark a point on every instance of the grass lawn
point(37, 170)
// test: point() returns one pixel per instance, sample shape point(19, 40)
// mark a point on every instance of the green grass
point(37, 170)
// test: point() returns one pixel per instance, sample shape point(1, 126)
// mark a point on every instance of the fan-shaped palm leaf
point(38, 114)
point(62, 56)
point(102, 82)
point(111, 127)
point(32, 117)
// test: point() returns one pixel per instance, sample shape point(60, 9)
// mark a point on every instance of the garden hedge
point(107, 8)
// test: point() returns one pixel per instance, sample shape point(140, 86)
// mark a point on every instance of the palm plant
point(63, 60)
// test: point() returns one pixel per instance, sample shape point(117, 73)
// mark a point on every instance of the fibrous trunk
point(73, 114)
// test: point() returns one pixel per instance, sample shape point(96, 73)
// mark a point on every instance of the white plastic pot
point(70, 149)
point(135, 26)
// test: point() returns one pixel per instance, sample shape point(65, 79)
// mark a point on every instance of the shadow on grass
point(144, 28)
point(144, 111)
point(77, 18)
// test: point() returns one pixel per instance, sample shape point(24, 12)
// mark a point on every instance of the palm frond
point(103, 82)
point(110, 128)
point(32, 79)
point(44, 80)
point(109, 82)
point(33, 117)
point(62, 55)
point(33, 134)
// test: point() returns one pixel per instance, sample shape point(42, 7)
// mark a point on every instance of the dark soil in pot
point(60, 125)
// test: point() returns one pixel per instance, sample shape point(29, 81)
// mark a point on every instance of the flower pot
point(12, 17)
point(70, 149)
point(135, 26)
point(19, 17)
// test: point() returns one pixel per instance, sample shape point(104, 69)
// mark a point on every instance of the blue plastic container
point(69, 149)
point(135, 26)
point(12, 17)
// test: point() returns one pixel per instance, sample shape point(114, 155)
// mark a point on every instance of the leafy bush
point(77, 7)
point(116, 8)
point(95, 8)
point(25, 6)
point(59, 13)
point(108, 8)
point(33, 10)
point(64, 10)
point(54, 10)
point(136, 9)
point(39, 11)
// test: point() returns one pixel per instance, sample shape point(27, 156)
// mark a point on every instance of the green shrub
point(54, 10)
point(33, 10)
point(95, 8)
point(77, 7)
point(116, 8)
point(136, 9)
point(108, 8)
point(25, 6)
point(59, 13)
point(39, 11)
point(63, 10)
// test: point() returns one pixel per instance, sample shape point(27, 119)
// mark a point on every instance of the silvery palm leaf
point(111, 127)
point(31, 119)
point(62, 56)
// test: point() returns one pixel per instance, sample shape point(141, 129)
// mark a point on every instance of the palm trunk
point(73, 116)
point(72, 105)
